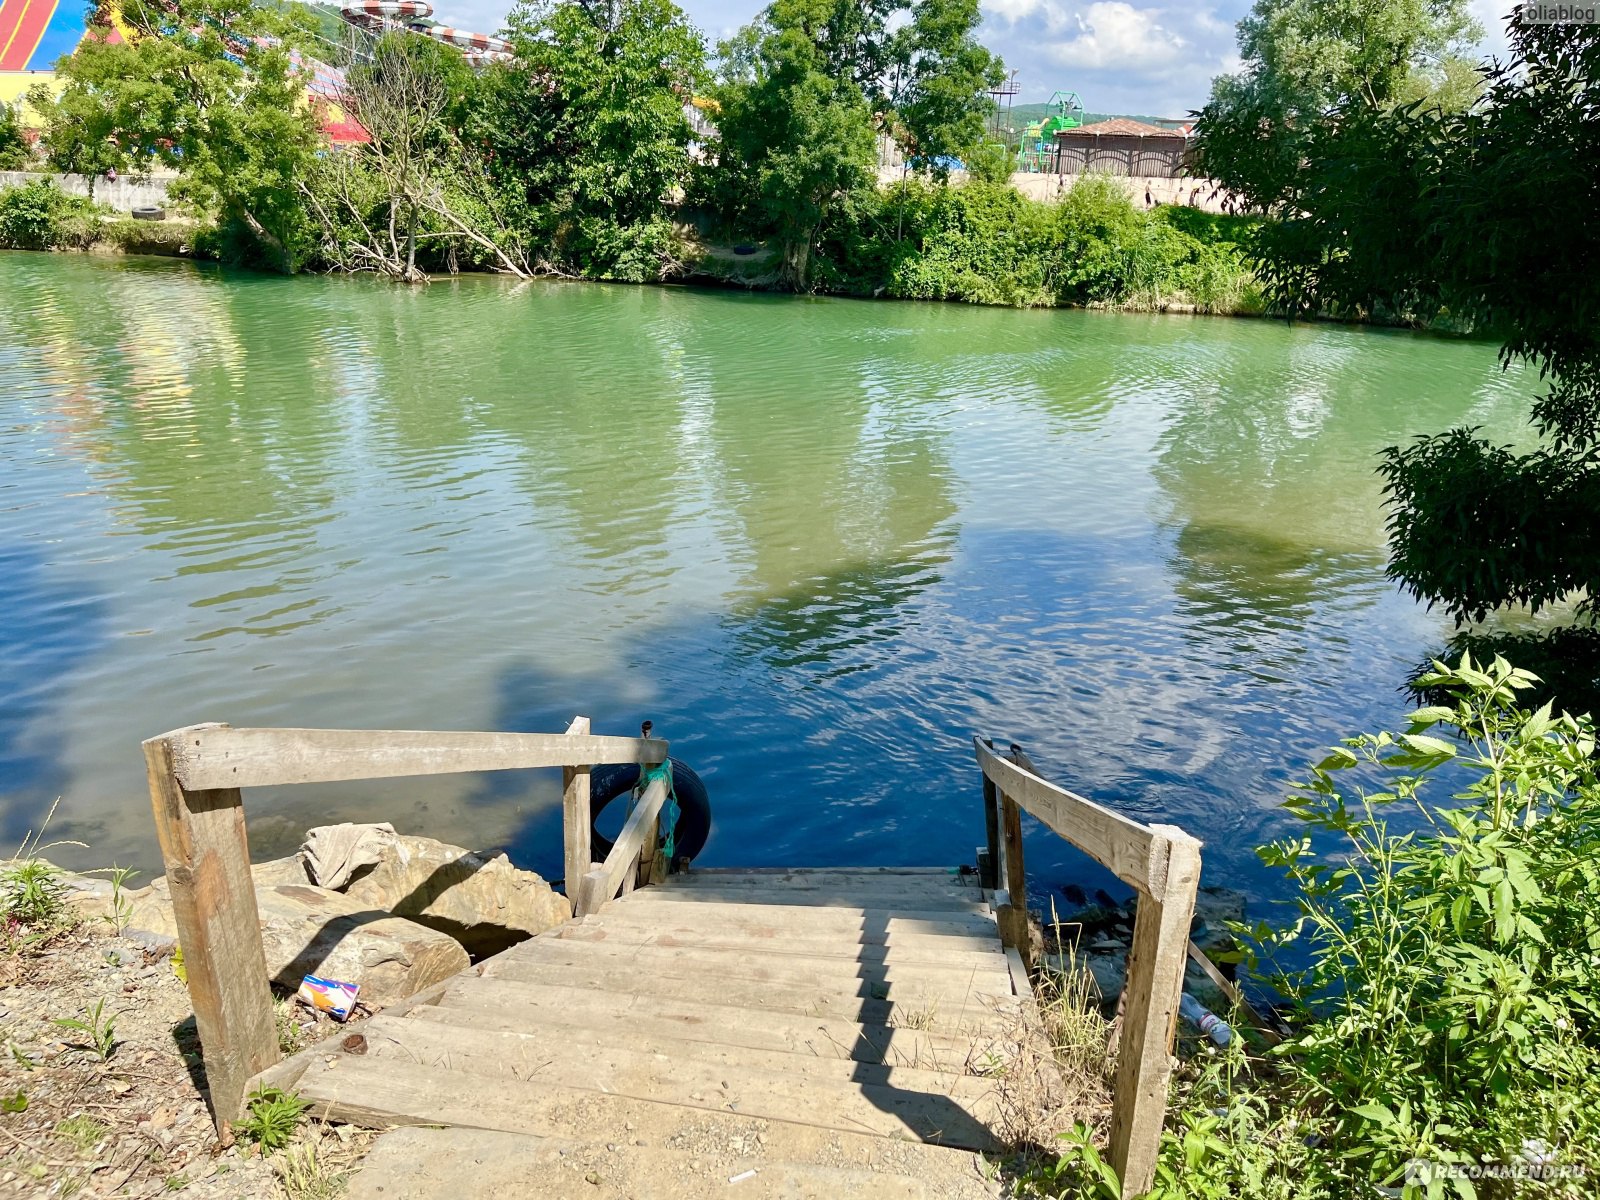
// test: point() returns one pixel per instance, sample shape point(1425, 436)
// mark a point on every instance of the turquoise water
point(817, 542)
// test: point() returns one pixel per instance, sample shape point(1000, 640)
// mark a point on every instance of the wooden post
point(988, 873)
point(207, 858)
point(1013, 919)
point(575, 819)
point(1155, 983)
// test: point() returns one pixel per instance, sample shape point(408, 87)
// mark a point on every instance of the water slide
point(414, 15)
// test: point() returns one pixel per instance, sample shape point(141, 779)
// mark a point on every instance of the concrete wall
point(1161, 189)
point(122, 194)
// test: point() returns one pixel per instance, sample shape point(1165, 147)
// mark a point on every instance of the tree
point(585, 130)
point(945, 75)
point(207, 88)
point(1307, 59)
point(794, 137)
point(413, 194)
point(14, 149)
point(1418, 211)
point(807, 88)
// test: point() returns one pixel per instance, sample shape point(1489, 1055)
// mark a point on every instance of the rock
point(482, 900)
point(307, 930)
point(1214, 908)
point(280, 870)
point(1107, 972)
point(333, 854)
point(159, 944)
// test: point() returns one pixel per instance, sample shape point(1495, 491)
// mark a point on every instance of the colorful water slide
point(480, 43)
point(34, 33)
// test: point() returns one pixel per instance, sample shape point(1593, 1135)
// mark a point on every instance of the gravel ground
point(135, 1124)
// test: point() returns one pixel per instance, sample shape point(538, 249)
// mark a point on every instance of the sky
point(1120, 56)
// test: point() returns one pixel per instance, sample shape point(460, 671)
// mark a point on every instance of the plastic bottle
point(1213, 1026)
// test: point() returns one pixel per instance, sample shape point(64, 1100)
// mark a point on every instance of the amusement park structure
point(413, 16)
point(1064, 110)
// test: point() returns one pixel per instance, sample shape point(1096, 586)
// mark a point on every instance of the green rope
point(668, 822)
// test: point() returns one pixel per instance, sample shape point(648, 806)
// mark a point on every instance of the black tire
point(149, 214)
point(694, 807)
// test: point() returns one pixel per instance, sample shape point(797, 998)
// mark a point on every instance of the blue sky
point(1131, 56)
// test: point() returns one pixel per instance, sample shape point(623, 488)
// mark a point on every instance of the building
point(1122, 147)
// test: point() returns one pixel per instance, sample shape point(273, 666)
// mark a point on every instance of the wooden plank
point(533, 1005)
point(922, 1007)
point(947, 888)
point(207, 858)
point(825, 872)
point(949, 950)
point(576, 818)
point(805, 898)
point(660, 904)
point(1268, 1033)
point(602, 882)
point(495, 1038)
point(950, 1118)
point(1122, 845)
point(785, 970)
point(989, 871)
point(219, 756)
point(384, 1093)
point(1013, 918)
point(1155, 982)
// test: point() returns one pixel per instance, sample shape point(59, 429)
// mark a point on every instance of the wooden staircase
point(832, 1031)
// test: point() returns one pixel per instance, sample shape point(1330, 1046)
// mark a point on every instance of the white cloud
point(1115, 35)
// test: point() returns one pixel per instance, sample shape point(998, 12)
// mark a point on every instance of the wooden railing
point(195, 779)
point(1162, 863)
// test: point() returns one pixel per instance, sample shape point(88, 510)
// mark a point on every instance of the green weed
point(98, 1028)
point(274, 1116)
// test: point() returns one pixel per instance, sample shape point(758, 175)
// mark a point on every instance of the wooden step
point(480, 1164)
point(644, 1036)
point(380, 1091)
point(956, 1113)
point(917, 899)
point(881, 979)
point(944, 887)
point(532, 1004)
point(921, 1006)
point(618, 928)
point(688, 905)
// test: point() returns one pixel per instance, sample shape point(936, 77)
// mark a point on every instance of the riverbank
point(975, 243)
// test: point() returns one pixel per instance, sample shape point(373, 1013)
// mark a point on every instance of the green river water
point(818, 542)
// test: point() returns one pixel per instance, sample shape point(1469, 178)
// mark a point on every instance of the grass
point(1058, 1070)
point(291, 1037)
point(99, 1029)
point(82, 1132)
point(309, 1171)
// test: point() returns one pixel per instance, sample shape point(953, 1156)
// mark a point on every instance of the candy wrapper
point(331, 996)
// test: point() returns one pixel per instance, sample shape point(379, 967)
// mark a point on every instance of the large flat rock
point(307, 930)
point(481, 899)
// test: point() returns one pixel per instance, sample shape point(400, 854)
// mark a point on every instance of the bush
point(1450, 1009)
point(14, 149)
point(986, 243)
point(39, 216)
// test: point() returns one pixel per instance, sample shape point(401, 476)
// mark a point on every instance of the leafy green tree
point(14, 150)
point(795, 138)
point(1419, 212)
point(585, 131)
point(206, 88)
point(945, 75)
point(806, 89)
point(1306, 59)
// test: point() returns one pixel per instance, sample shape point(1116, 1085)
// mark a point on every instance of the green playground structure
point(1064, 111)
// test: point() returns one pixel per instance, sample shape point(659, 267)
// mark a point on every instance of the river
point(818, 542)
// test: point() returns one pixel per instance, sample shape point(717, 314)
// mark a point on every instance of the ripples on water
point(817, 542)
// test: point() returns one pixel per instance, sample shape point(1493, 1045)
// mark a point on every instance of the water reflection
point(817, 542)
